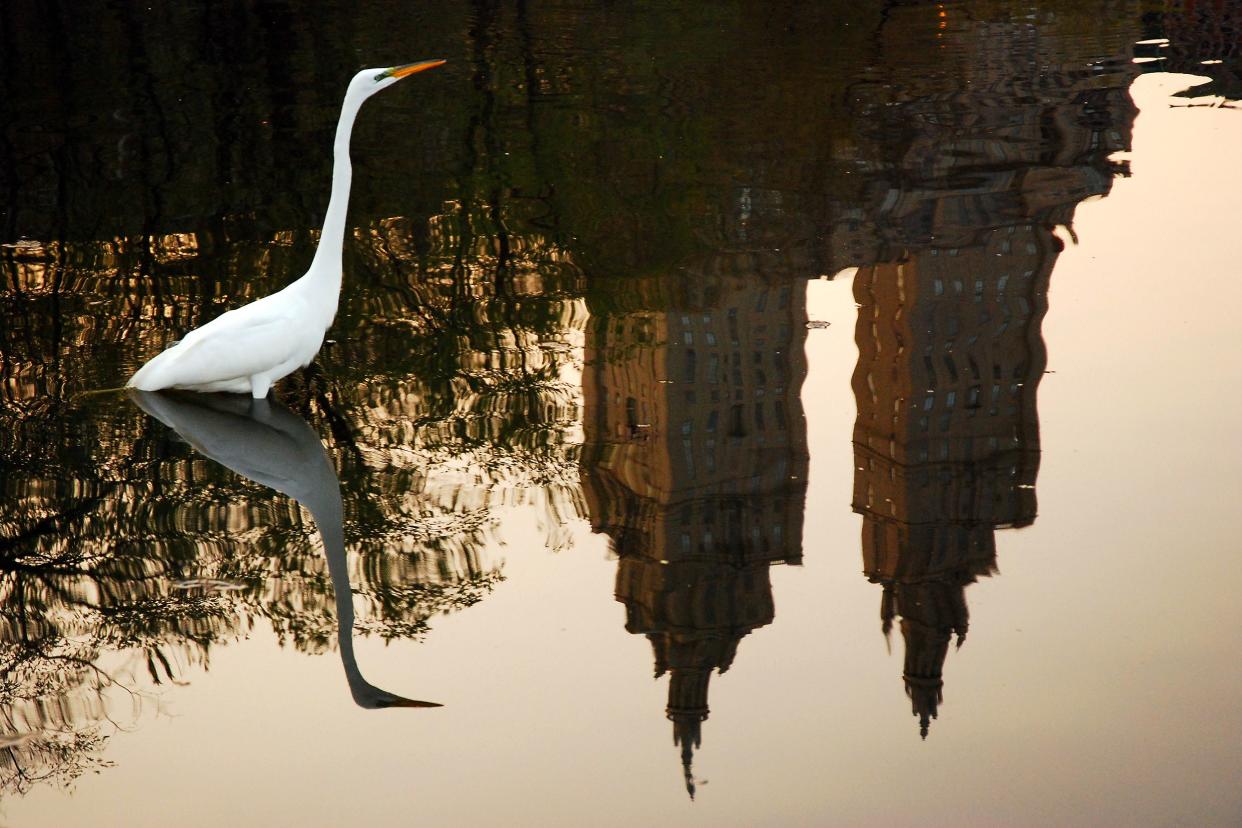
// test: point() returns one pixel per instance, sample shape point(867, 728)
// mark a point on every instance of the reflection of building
point(695, 465)
point(975, 125)
point(1199, 38)
point(946, 443)
point(974, 166)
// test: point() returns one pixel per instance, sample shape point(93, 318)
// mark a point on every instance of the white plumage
point(248, 349)
point(244, 350)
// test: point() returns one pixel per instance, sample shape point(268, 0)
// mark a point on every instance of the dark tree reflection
point(121, 544)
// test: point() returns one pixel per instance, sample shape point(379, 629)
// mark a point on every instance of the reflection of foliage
point(57, 708)
point(116, 541)
point(55, 758)
point(64, 604)
point(405, 608)
point(456, 396)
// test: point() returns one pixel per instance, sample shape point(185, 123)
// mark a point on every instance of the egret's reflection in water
point(267, 443)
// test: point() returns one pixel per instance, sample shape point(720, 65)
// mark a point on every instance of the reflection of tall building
point(695, 466)
point(946, 443)
point(976, 163)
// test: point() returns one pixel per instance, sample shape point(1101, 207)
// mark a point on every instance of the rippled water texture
point(738, 343)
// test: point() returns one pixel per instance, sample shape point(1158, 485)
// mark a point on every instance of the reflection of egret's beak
point(400, 702)
point(413, 68)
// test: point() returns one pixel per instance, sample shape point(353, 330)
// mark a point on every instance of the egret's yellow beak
point(410, 69)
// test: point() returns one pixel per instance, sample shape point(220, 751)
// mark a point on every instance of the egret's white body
point(248, 349)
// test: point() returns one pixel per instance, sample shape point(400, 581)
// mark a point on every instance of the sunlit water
point(832, 368)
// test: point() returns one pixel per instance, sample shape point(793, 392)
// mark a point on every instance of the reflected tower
point(946, 444)
point(972, 165)
point(695, 465)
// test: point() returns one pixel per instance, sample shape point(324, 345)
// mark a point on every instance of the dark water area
point(587, 267)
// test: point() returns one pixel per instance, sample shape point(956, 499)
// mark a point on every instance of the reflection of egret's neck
point(272, 446)
point(364, 693)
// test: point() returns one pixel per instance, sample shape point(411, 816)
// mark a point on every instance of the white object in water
point(251, 347)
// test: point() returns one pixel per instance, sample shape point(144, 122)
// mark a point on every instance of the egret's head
point(370, 81)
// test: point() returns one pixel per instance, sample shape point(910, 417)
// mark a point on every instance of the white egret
point(274, 447)
point(249, 348)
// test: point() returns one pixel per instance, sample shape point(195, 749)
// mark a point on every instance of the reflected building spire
point(975, 165)
point(695, 466)
point(687, 710)
point(946, 443)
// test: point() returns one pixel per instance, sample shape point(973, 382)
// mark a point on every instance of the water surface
point(739, 345)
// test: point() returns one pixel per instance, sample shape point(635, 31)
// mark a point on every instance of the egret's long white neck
point(325, 269)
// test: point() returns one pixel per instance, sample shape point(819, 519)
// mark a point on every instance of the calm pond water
point(740, 344)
